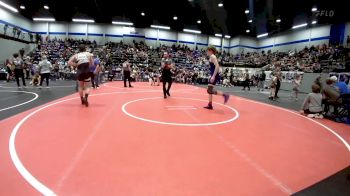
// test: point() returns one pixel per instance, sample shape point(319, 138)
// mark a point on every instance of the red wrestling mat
point(131, 141)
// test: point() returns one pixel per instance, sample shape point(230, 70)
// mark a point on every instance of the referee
point(126, 73)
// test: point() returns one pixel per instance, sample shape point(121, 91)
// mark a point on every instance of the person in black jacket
point(278, 85)
point(246, 81)
point(167, 66)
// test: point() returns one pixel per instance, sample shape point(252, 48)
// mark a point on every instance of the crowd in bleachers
point(190, 64)
point(313, 59)
point(192, 67)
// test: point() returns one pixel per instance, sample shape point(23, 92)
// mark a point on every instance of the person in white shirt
point(82, 61)
point(45, 68)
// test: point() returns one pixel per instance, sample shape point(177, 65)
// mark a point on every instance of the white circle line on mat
point(179, 124)
point(150, 88)
point(23, 103)
point(346, 144)
point(35, 183)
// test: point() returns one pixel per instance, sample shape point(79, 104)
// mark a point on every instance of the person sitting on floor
point(226, 82)
point(36, 79)
point(312, 105)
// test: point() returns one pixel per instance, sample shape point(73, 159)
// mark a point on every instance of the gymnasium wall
point(289, 40)
point(11, 48)
point(296, 39)
point(14, 20)
point(8, 47)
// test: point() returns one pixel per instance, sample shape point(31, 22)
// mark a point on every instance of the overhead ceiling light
point(220, 4)
point(247, 31)
point(22, 7)
point(8, 7)
point(199, 21)
point(250, 21)
point(227, 36)
point(314, 9)
point(278, 20)
point(175, 17)
point(262, 35)
point(246, 11)
point(218, 35)
point(122, 23)
point(143, 14)
point(299, 26)
point(83, 20)
point(160, 27)
point(44, 19)
point(46, 7)
point(192, 31)
point(314, 22)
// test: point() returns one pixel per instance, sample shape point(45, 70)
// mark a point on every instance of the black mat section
point(336, 185)
point(284, 101)
point(58, 89)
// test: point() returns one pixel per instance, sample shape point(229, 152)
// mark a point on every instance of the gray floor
point(284, 101)
point(337, 184)
point(10, 98)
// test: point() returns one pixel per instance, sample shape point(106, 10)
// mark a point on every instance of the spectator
point(45, 68)
point(18, 33)
point(5, 28)
point(97, 71)
point(273, 87)
point(36, 79)
point(246, 82)
point(19, 71)
point(278, 83)
point(341, 85)
point(14, 31)
point(56, 69)
point(296, 87)
point(226, 82)
point(9, 70)
point(127, 72)
point(318, 82)
point(312, 105)
point(31, 37)
point(330, 95)
point(261, 82)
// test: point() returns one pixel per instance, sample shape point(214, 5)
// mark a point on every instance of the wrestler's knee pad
point(211, 90)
